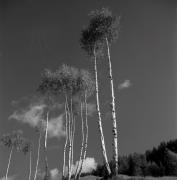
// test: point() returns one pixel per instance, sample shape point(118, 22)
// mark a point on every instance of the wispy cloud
point(124, 85)
point(55, 127)
point(34, 112)
point(31, 115)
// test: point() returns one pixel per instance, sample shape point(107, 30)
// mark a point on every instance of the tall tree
point(14, 141)
point(90, 43)
point(86, 90)
point(64, 83)
point(104, 27)
point(67, 85)
point(46, 89)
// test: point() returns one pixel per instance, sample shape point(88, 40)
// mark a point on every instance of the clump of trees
point(73, 87)
point(160, 161)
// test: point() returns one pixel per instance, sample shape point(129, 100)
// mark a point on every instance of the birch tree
point(46, 89)
point(86, 90)
point(104, 28)
point(90, 43)
point(14, 141)
point(66, 84)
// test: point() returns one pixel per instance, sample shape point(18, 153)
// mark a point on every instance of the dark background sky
point(38, 34)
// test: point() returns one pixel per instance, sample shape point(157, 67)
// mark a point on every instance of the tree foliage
point(102, 25)
point(14, 139)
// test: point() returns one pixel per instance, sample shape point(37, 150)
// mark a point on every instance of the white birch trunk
point(82, 146)
point(38, 152)
point(73, 133)
point(10, 156)
point(66, 141)
point(30, 165)
point(45, 145)
point(114, 130)
point(86, 124)
point(86, 137)
point(99, 117)
point(71, 137)
point(70, 148)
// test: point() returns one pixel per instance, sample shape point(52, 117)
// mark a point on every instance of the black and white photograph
point(88, 90)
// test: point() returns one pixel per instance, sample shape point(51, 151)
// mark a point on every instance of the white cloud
point(55, 127)
point(89, 165)
point(9, 178)
point(31, 115)
point(125, 84)
point(54, 174)
point(34, 113)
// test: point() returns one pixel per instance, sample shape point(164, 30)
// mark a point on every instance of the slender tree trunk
point(38, 152)
point(10, 156)
point(66, 142)
point(71, 137)
point(45, 148)
point(30, 166)
point(114, 130)
point(82, 146)
point(70, 147)
point(86, 124)
point(86, 136)
point(99, 117)
point(73, 133)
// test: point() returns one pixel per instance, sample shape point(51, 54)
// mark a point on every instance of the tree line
point(160, 161)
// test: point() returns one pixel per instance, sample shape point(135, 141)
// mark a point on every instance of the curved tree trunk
point(45, 148)
point(114, 130)
point(38, 152)
point(99, 117)
point(30, 166)
point(10, 156)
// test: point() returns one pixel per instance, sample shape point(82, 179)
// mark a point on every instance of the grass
point(124, 177)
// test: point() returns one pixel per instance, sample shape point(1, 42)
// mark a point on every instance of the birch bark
point(114, 130)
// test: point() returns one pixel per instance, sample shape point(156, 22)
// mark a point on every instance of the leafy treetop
point(102, 25)
point(15, 139)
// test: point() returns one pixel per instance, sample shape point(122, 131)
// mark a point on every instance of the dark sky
point(38, 34)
